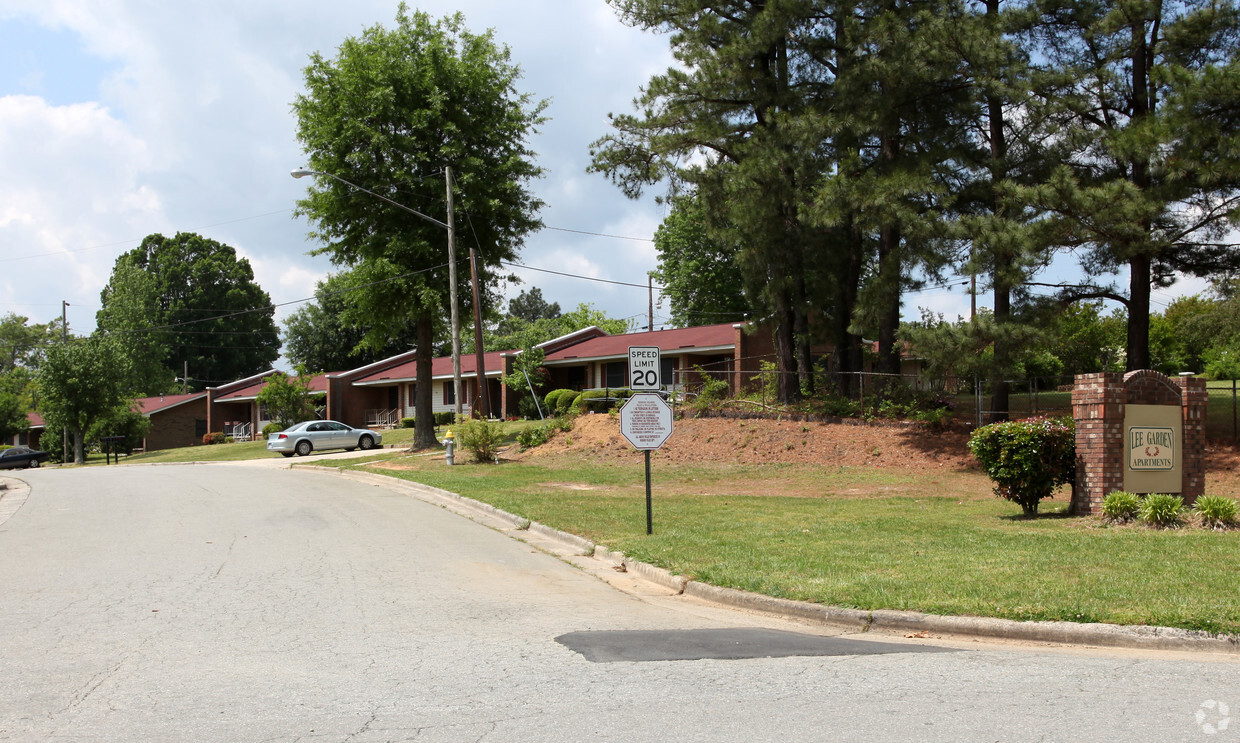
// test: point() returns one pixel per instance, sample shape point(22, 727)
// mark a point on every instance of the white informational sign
point(646, 421)
point(644, 368)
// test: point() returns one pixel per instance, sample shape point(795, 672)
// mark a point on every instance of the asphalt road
point(246, 603)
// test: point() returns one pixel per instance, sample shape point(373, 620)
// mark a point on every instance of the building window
point(449, 393)
point(613, 374)
point(200, 429)
point(576, 377)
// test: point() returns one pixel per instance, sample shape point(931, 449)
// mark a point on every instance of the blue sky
point(127, 118)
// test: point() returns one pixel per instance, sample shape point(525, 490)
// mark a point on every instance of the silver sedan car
point(309, 436)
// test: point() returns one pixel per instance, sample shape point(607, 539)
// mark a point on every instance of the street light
point(456, 323)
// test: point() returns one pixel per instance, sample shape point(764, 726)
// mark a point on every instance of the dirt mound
point(771, 442)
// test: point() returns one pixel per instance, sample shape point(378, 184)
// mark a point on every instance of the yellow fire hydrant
point(449, 444)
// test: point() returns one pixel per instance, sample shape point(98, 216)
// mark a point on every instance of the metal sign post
point(646, 421)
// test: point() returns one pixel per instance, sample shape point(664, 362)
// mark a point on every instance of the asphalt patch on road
point(644, 646)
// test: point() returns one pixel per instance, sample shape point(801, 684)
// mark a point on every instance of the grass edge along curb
point(1140, 637)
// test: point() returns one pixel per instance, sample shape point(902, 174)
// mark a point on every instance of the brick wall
point(1098, 404)
point(175, 427)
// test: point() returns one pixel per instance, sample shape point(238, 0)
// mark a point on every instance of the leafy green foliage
point(530, 306)
point(1026, 459)
point(328, 334)
point(600, 401)
point(560, 401)
point(128, 423)
point(481, 437)
point(1121, 506)
point(1216, 511)
point(698, 272)
point(287, 398)
point(394, 106)
point(81, 383)
point(188, 299)
point(1162, 510)
point(535, 435)
point(1222, 361)
point(271, 428)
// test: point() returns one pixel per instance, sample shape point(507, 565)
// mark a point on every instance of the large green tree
point(697, 271)
point(22, 347)
point(188, 300)
point(1151, 180)
point(81, 383)
point(387, 113)
point(328, 334)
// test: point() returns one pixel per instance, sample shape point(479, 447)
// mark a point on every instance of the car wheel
point(366, 442)
point(287, 453)
point(30, 463)
point(304, 448)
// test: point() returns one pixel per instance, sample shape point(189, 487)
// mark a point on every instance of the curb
point(1136, 637)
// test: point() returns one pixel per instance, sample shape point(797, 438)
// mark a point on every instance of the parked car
point(309, 436)
point(21, 456)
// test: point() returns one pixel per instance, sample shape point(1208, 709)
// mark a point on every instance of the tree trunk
point(1139, 313)
point(889, 300)
point(1139, 265)
point(1000, 401)
point(79, 446)
point(423, 415)
point(785, 355)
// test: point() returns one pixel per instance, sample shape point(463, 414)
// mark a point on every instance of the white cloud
point(72, 188)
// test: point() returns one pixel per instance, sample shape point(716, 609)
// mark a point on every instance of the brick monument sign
point(1143, 432)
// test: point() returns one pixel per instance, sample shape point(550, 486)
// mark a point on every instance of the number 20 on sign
point(644, 368)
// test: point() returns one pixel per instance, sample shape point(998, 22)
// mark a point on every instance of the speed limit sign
point(644, 368)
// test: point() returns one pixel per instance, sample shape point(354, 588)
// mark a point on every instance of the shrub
point(935, 420)
point(271, 428)
point(534, 436)
point(446, 418)
point(480, 437)
point(1121, 506)
point(552, 399)
point(1216, 511)
point(1162, 510)
point(213, 438)
point(600, 401)
point(1026, 459)
point(407, 422)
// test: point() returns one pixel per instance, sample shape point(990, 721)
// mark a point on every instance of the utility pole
point(483, 397)
point(455, 313)
point(185, 378)
point(650, 290)
point(64, 339)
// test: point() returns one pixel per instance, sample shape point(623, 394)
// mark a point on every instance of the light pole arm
point(303, 172)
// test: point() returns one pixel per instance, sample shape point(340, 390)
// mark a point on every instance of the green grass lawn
point(945, 555)
point(869, 538)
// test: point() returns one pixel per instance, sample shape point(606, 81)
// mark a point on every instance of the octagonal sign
point(646, 420)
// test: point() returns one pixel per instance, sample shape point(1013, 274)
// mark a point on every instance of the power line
point(577, 276)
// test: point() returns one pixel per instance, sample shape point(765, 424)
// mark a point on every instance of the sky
point(124, 118)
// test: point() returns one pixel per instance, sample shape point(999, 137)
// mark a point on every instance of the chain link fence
point(971, 400)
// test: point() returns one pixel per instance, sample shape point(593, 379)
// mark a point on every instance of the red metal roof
point(440, 368)
point(669, 341)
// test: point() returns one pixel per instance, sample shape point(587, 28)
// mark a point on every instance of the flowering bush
point(1027, 459)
